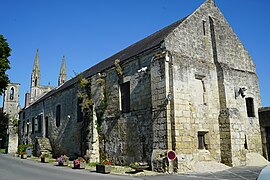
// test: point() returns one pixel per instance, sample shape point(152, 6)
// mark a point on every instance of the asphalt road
point(17, 169)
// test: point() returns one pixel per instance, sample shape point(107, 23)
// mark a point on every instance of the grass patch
point(92, 164)
point(2, 150)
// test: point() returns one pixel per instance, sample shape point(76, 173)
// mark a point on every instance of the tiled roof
point(144, 45)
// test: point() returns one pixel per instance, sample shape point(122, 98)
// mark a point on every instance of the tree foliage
point(3, 123)
point(4, 63)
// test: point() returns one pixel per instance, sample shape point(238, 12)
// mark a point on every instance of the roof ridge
point(139, 47)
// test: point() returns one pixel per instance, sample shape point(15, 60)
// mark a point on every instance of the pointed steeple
point(35, 78)
point(36, 63)
point(63, 75)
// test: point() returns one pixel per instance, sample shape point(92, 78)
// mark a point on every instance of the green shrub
point(23, 147)
point(2, 150)
point(92, 164)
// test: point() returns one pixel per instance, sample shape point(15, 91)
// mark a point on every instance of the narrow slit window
point(11, 97)
point(58, 115)
point(33, 125)
point(79, 110)
point(27, 127)
point(250, 107)
point(36, 81)
point(40, 118)
point(246, 145)
point(125, 97)
point(204, 31)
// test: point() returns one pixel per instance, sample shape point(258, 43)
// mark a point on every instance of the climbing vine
point(118, 68)
point(84, 94)
point(102, 105)
point(86, 103)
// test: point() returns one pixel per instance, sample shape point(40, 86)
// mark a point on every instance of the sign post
point(171, 155)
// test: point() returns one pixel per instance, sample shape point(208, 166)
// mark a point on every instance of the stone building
point(11, 107)
point(264, 117)
point(190, 87)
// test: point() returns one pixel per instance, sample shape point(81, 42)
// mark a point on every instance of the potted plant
point(23, 155)
point(104, 167)
point(79, 163)
point(62, 160)
point(139, 166)
point(44, 158)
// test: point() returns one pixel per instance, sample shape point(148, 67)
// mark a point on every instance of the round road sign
point(171, 155)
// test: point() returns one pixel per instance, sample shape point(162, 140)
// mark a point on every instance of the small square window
point(201, 140)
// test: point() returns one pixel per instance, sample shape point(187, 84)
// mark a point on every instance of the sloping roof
point(141, 46)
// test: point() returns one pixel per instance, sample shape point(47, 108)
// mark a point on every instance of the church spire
point(35, 79)
point(36, 64)
point(63, 75)
point(35, 72)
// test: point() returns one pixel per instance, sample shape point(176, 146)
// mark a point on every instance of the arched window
point(11, 96)
point(58, 115)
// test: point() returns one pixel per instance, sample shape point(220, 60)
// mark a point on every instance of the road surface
point(19, 169)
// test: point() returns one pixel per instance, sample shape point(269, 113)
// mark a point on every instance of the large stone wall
point(127, 137)
point(124, 137)
point(212, 54)
point(64, 139)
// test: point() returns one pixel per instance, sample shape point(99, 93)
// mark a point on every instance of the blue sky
point(87, 32)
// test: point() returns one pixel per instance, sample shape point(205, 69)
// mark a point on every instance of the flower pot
point(80, 165)
point(65, 163)
point(23, 156)
point(44, 159)
point(100, 168)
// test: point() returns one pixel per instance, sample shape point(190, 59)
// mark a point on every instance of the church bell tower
point(35, 80)
point(11, 107)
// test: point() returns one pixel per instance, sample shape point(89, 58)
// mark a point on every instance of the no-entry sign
point(171, 155)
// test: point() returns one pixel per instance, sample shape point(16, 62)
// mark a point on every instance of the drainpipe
point(170, 98)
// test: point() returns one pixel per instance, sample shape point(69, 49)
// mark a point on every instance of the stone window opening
point(79, 110)
point(58, 115)
point(200, 90)
point(35, 81)
point(11, 96)
point(39, 123)
point(33, 125)
point(202, 140)
point(36, 124)
point(246, 145)
point(46, 127)
point(204, 30)
point(250, 107)
point(27, 127)
point(125, 97)
point(23, 128)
